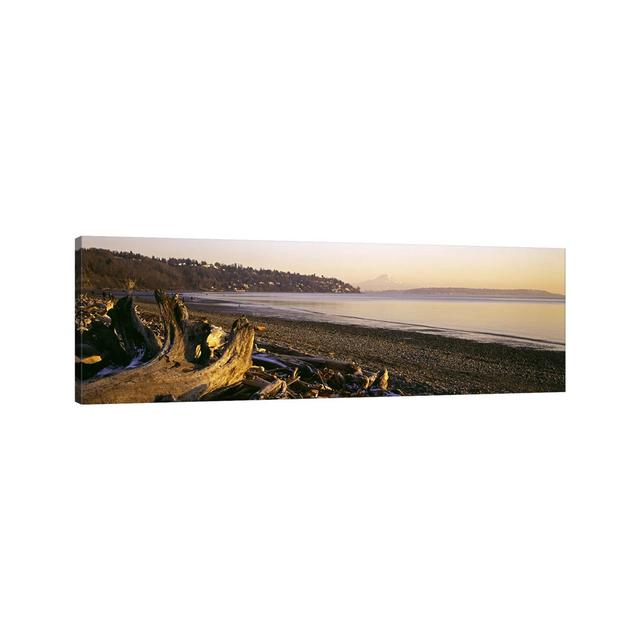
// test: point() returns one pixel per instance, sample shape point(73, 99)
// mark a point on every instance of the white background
point(460, 122)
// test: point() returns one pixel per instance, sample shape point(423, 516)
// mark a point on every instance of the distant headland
point(463, 292)
point(104, 269)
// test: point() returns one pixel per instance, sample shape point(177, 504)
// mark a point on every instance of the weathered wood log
point(383, 379)
point(269, 362)
point(136, 338)
point(88, 360)
point(101, 337)
point(182, 368)
point(119, 337)
point(288, 361)
point(275, 389)
point(238, 391)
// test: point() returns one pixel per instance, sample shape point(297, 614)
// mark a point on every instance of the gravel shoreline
point(421, 363)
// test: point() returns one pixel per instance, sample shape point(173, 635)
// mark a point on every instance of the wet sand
point(421, 363)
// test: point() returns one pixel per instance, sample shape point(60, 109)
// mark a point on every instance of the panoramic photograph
point(166, 320)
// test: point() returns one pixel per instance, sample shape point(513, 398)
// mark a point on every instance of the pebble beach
point(420, 363)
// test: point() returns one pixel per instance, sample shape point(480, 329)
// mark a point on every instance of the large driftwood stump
point(136, 338)
point(182, 368)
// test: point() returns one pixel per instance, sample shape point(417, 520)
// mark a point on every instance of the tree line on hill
point(100, 269)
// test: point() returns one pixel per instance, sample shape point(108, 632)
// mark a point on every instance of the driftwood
point(119, 359)
point(282, 372)
point(182, 369)
point(275, 389)
point(110, 336)
point(136, 338)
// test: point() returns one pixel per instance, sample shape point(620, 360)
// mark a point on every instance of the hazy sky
point(406, 264)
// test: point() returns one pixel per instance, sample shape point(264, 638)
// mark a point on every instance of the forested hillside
point(98, 269)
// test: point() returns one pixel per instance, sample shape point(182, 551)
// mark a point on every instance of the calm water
point(522, 321)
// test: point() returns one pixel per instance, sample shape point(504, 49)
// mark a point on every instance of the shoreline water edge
point(518, 322)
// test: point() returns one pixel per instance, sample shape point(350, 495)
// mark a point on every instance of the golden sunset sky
point(408, 265)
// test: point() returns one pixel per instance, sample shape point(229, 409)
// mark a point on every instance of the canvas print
point(166, 320)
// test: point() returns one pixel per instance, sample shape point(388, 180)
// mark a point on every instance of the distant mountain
point(489, 293)
point(103, 269)
point(384, 284)
point(381, 283)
